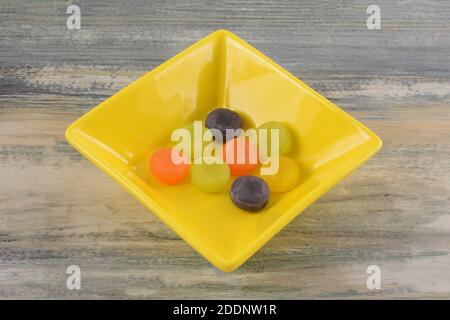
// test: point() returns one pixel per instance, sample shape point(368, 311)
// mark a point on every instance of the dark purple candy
point(222, 119)
point(250, 193)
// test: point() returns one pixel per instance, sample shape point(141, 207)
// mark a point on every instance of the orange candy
point(241, 155)
point(165, 170)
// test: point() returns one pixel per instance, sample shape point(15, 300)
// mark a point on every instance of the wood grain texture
point(57, 209)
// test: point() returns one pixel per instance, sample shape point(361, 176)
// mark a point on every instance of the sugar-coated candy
point(225, 121)
point(285, 137)
point(286, 178)
point(210, 177)
point(166, 168)
point(250, 193)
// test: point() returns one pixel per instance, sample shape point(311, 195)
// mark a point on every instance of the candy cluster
point(239, 156)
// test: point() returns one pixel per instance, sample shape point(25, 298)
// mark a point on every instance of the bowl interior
point(220, 70)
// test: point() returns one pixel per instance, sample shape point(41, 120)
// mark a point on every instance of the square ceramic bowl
point(220, 70)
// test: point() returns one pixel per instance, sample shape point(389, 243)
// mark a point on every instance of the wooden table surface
point(57, 209)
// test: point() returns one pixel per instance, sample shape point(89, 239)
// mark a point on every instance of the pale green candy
point(285, 137)
point(190, 153)
point(210, 178)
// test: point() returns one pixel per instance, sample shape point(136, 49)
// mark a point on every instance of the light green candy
point(210, 178)
point(190, 154)
point(285, 137)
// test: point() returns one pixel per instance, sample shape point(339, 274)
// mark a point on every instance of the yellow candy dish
point(220, 70)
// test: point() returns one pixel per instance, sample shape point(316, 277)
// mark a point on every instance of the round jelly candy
point(241, 155)
point(285, 137)
point(210, 177)
point(226, 122)
point(286, 178)
point(195, 149)
point(249, 193)
point(169, 168)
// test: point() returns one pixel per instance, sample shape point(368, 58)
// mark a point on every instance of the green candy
point(210, 178)
point(285, 137)
point(190, 153)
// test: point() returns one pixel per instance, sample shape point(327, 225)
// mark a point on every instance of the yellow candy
point(286, 178)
